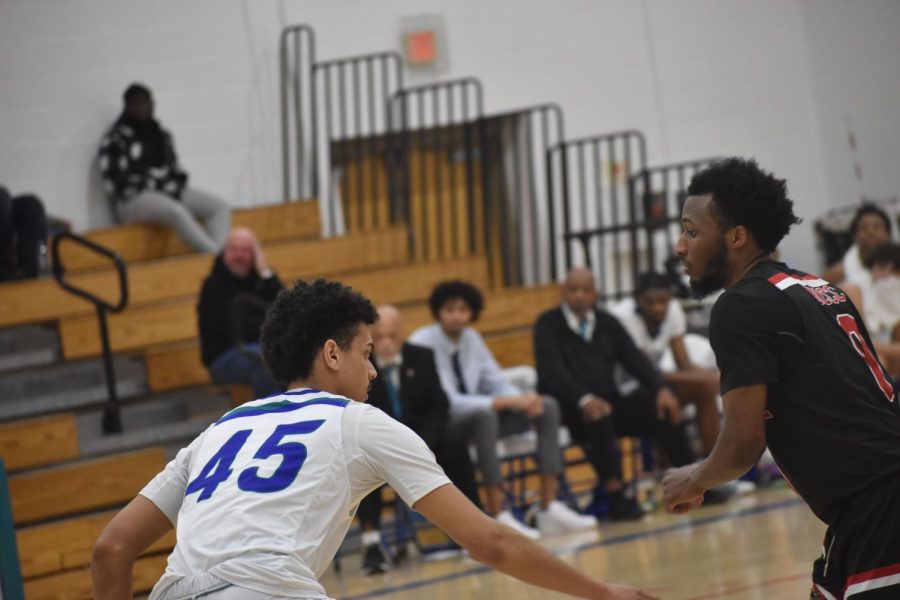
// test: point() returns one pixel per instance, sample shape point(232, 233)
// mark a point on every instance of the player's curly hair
point(303, 318)
point(451, 290)
point(869, 209)
point(744, 194)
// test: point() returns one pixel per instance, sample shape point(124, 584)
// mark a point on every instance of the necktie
point(583, 329)
point(387, 373)
point(457, 370)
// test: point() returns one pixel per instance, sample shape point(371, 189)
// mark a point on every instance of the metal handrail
point(59, 271)
point(112, 418)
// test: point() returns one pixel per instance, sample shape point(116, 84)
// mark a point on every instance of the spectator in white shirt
point(657, 324)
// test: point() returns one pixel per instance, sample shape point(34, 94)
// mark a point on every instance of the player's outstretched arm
point(129, 533)
point(740, 444)
point(502, 548)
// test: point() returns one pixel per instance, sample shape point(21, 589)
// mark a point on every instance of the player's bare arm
point(502, 548)
point(741, 443)
point(680, 354)
point(129, 533)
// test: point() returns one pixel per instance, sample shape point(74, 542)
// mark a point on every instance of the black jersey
point(832, 419)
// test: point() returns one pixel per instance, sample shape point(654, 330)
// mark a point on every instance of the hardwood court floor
point(758, 547)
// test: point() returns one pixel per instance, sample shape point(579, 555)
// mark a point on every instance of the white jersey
point(654, 347)
point(263, 498)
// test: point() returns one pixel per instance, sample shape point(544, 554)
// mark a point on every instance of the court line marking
point(613, 541)
point(752, 586)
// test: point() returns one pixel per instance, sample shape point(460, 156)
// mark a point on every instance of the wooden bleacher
point(139, 242)
point(31, 443)
point(54, 558)
point(67, 544)
point(506, 324)
point(76, 584)
point(81, 487)
point(153, 282)
point(175, 321)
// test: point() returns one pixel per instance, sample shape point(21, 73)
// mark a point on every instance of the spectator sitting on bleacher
point(577, 347)
point(231, 311)
point(23, 230)
point(484, 407)
point(871, 228)
point(880, 306)
point(147, 185)
point(657, 324)
point(408, 388)
point(883, 312)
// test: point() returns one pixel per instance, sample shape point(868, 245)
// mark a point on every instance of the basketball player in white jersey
point(263, 498)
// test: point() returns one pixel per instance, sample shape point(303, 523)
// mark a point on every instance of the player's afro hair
point(303, 318)
point(744, 194)
point(869, 209)
point(452, 290)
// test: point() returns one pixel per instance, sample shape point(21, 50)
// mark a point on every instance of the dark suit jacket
point(426, 411)
point(425, 405)
point(569, 367)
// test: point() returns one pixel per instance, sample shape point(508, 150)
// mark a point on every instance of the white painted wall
point(774, 79)
point(854, 64)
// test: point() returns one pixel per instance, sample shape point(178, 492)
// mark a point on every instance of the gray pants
point(151, 206)
point(485, 426)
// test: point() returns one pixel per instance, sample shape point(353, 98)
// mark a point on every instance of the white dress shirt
point(481, 374)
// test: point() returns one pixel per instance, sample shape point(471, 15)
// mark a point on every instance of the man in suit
point(408, 388)
point(577, 347)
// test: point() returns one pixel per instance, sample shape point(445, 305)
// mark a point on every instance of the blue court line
point(621, 539)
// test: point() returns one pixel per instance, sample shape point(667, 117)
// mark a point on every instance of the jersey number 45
point(218, 468)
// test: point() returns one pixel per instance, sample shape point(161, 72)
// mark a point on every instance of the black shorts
point(861, 558)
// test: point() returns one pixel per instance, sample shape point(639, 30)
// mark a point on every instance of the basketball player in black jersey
point(799, 374)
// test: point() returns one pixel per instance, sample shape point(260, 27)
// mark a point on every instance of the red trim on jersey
point(873, 574)
point(778, 278)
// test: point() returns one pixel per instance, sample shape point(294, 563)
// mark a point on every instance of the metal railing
point(508, 186)
point(112, 421)
point(299, 165)
point(594, 211)
point(437, 182)
point(516, 159)
point(659, 194)
point(350, 132)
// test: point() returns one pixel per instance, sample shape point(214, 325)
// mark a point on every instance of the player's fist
point(680, 492)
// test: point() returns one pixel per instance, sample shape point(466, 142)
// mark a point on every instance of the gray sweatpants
point(483, 427)
point(151, 206)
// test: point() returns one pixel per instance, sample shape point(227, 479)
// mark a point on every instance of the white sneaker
point(506, 518)
point(559, 518)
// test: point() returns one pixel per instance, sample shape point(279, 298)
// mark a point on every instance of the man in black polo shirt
point(798, 374)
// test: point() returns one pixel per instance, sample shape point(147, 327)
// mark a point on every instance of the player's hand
point(595, 409)
point(259, 257)
point(668, 404)
point(531, 404)
point(625, 592)
point(680, 492)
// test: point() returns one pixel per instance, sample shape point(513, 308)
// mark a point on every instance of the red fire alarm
point(424, 42)
point(420, 48)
